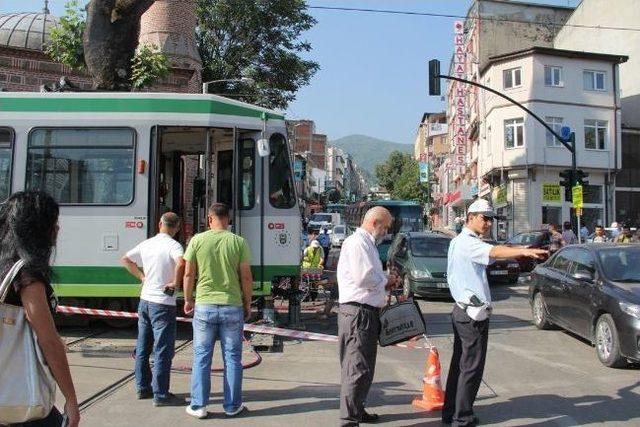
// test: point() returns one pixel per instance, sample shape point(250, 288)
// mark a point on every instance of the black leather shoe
point(170, 400)
point(369, 418)
point(448, 422)
point(144, 395)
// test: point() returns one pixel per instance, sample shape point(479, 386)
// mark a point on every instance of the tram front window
point(281, 193)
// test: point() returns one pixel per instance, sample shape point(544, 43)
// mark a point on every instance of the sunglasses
point(487, 218)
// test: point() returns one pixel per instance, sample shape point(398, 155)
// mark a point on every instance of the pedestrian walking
point(162, 270)
point(556, 240)
point(568, 235)
point(221, 261)
point(584, 232)
point(28, 232)
point(467, 260)
point(363, 289)
point(325, 241)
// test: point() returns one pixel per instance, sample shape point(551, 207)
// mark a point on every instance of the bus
point(115, 162)
point(407, 216)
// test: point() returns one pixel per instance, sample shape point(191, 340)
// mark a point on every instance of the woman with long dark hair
point(28, 231)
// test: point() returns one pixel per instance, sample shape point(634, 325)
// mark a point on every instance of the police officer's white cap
point(483, 207)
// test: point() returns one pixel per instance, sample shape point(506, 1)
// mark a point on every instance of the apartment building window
point(593, 80)
point(556, 125)
point(489, 141)
point(514, 133)
point(596, 133)
point(512, 78)
point(553, 76)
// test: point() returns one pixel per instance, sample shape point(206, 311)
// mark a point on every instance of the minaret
point(171, 25)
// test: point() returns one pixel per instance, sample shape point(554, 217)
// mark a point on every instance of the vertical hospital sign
point(459, 97)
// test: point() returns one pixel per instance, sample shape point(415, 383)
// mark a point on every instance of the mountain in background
point(367, 151)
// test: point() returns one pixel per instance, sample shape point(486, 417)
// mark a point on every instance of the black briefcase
point(400, 322)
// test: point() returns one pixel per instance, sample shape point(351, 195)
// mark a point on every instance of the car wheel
point(539, 312)
point(406, 287)
point(608, 343)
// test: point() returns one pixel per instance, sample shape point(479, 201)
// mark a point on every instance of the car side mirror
point(583, 277)
point(402, 252)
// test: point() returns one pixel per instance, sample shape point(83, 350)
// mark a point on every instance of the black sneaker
point(144, 395)
point(170, 400)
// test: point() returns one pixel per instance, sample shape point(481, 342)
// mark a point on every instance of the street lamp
point(245, 80)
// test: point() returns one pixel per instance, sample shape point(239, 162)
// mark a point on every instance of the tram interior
point(186, 155)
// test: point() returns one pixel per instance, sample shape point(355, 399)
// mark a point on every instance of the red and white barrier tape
point(261, 329)
point(247, 327)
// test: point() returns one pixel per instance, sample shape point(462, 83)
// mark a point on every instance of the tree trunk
point(110, 41)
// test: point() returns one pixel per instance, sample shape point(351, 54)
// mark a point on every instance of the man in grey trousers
point(363, 290)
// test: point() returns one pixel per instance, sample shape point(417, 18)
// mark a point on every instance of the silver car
point(338, 234)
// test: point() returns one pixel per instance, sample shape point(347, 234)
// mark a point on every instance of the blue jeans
point(157, 332)
point(211, 322)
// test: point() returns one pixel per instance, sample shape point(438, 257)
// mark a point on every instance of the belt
point(464, 306)
point(365, 306)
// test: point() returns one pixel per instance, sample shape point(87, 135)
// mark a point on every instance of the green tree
point(148, 65)
point(389, 173)
point(65, 43)
point(256, 39)
point(408, 186)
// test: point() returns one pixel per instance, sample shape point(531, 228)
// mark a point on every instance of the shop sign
point(424, 172)
point(459, 97)
point(499, 195)
point(551, 193)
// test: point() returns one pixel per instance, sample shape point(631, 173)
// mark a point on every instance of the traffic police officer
point(468, 258)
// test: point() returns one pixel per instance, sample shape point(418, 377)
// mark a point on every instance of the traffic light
point(567, 181)
point(434, 77)
point(580, 177)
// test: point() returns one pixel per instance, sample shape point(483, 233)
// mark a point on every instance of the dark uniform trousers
point(358, 330)
point(466, 367)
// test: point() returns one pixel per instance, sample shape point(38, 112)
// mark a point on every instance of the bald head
point(377, 221)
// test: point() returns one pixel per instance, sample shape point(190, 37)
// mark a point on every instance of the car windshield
point(321, 218)
point(525, 238)
point(621, 264)
point(338, 230)
point(430, 247)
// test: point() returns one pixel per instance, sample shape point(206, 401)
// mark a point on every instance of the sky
point(373, 75)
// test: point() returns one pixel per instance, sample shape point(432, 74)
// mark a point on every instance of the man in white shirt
point(363, 289)
point(467, 262)
point(162, 271)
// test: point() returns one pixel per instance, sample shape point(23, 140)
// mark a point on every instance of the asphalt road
point(531, 378)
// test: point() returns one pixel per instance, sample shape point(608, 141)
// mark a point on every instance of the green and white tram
point(116, 161)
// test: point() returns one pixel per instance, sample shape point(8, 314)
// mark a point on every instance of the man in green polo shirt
point(222, 263)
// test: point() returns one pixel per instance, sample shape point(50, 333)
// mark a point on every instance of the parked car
point(421, 261)
point(338, 234)
point(539, 239)
point(592, 290)
point(502, 270)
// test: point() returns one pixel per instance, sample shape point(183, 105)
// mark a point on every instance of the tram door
point(191, 168)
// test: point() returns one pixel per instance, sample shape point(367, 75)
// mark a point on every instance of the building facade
point(522, 160)
point(613, 36)
point(508, 26)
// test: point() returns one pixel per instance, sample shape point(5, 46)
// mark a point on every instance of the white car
point(338, 234)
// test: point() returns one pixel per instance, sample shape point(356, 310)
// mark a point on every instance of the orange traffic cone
point(432, 395)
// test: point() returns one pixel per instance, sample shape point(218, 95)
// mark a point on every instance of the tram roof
point(130, 102)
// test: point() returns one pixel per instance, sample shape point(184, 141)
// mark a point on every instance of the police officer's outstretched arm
point(504, 252)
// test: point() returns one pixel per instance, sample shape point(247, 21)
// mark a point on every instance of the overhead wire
point(478, 18)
